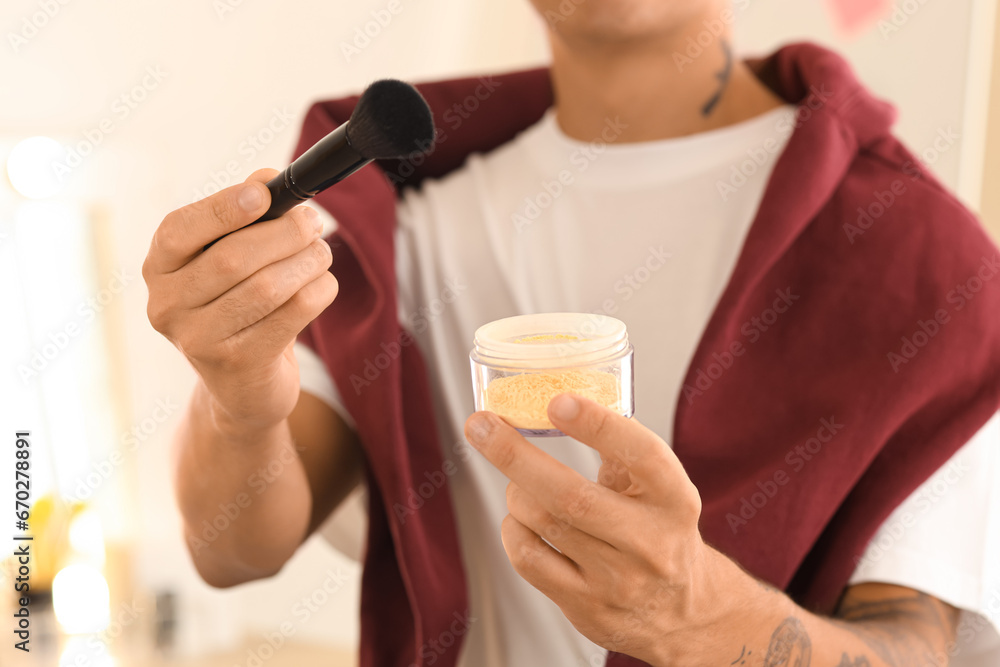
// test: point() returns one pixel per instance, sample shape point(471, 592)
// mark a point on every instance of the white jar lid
point(550, 340)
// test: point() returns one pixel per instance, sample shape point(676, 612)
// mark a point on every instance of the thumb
point(262, 175)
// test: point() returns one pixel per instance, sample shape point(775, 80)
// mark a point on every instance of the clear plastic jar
point(521, 363)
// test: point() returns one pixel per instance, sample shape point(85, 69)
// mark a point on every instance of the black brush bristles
point(391, 120)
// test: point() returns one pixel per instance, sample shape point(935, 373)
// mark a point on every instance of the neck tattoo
point(723, 77)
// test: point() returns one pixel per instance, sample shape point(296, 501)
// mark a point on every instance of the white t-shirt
point(645, 233)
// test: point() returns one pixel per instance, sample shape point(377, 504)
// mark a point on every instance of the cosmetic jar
point(521, 363)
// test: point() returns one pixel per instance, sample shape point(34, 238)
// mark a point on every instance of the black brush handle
point(329, 161)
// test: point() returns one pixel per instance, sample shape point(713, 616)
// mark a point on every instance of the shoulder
point(893, 219)
point(897, 261)
point(890, 184)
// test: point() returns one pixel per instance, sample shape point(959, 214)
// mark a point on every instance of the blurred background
point(147, 106)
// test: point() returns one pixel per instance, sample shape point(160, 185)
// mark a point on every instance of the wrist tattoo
point(901, 631)
point(744, 656)
point(790, 645)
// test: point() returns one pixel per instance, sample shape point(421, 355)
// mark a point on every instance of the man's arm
point(250, 497)
point(902, 626)
point(876, 625)
point(330, 452)
point(259, 464)
point(624, 560)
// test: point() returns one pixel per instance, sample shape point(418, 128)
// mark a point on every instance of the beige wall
point(990, 207)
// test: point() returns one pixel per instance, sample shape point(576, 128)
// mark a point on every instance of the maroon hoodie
point(802, 442)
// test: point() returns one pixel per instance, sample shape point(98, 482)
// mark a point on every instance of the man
point(823, 364)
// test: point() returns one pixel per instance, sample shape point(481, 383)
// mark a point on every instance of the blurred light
point(81, 599)
point(31, 167)
point(86, 536)
point(48, 220)
point(85, 651)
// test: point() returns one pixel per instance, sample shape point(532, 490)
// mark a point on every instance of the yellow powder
point(523, 400)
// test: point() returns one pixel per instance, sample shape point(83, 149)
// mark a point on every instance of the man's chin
point(615, 21)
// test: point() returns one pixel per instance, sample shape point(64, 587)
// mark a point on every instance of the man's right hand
point(235, 309)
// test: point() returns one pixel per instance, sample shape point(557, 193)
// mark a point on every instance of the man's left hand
point(622, 557)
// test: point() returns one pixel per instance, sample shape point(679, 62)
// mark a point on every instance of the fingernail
point(564, 407)
point(250, 198)
point(313, 216)
point(480, 428)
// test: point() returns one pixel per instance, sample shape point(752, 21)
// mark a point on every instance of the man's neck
point(656, 89)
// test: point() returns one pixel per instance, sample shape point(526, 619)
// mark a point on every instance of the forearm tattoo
point(903, 631)
point(790, 645)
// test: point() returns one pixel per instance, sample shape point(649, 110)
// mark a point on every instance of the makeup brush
point(391, 121)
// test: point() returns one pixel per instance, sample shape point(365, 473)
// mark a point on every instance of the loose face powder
point(521, 363)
